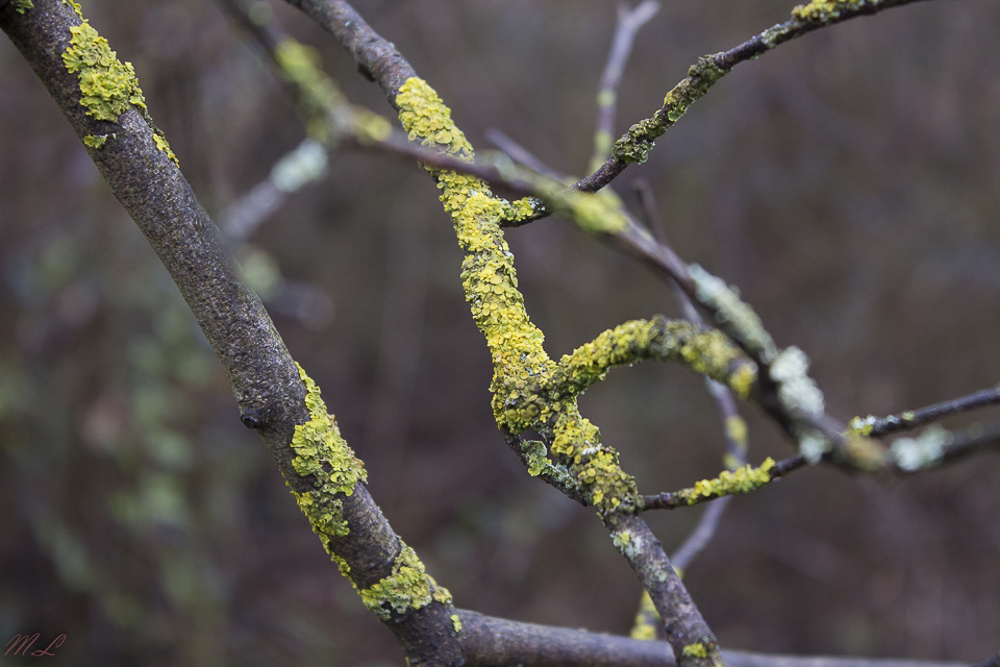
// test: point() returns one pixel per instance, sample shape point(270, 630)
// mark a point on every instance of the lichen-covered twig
point(877, 426)
point(635, 144)
point(629, 23)
point(728, 483)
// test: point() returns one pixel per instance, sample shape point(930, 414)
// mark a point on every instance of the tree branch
point(272, 394)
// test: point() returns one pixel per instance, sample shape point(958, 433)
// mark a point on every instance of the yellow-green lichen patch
point(599, 477)
point(76, 7)
point(712, 354)
point(161, 143)
point(95, 140)
point(863, 425)
point(21, 6)
point(709, 353)
point(742, 480)
point(823, 11)
point(108, 86)
point(743, 379)
point(732, 314)
point(641, 137)
point(322, 455)
point(696, 650)
point(409, 587)
point(624, 344)
point(647, 619)
point(621, 539)
point(456, 623)
point(595, 213)
point(425, 117)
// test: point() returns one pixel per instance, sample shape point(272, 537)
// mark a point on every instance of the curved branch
point(705, 351)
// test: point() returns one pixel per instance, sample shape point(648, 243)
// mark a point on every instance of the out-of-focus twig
point(305, 164)
point(522, 155)
point(629, 23)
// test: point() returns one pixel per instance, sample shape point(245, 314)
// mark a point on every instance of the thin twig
point(696, 495)
point(702, 534)
point(878, 426)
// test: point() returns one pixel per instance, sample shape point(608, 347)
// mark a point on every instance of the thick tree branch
point(134, 159)
point(494, 642)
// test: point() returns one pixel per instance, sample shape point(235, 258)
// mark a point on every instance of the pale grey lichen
point(813, 446)
point(305, 164)
point(924, 451)
point(796, 389)
point(734, 316)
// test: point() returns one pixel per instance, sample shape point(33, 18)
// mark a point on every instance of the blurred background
point(848, 183)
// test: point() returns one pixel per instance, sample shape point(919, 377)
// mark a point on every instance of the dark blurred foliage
point(849, 183)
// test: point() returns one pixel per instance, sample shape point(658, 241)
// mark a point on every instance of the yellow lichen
point(409, 587)
point(743, 379)
point(822, 11)
point(736, 430)
point(108, 86)
point(161, 143)
point(21, 6)
point(742, 480)
point(863, 425)
point(456, 623)
point(522, 369)
point(75, 6)
point(323, 455)
point(696, 650)
point(646, 619)
point(95, 140)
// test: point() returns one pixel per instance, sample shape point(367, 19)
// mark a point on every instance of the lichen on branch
point(108, 86)
point(522, 368)
point(406, 589)
point(324, 458)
